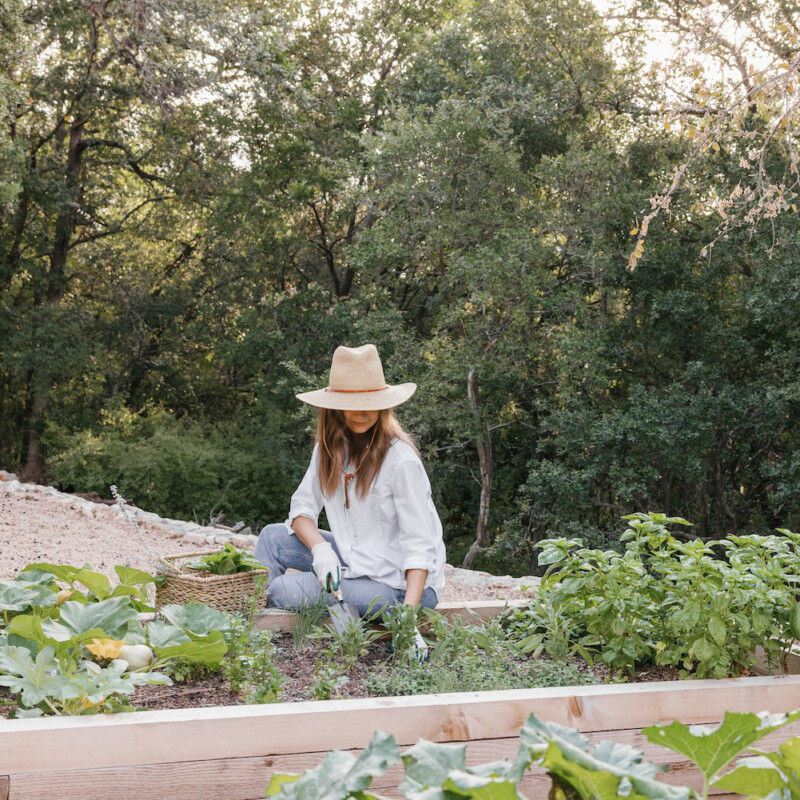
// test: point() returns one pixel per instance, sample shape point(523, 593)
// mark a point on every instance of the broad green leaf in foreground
point(38, 576)
point(162, 634)
point(340, 775)
point(612, 770)
point(712, 748)
point(593, 779)
point(767, 772)
point(429, 764)
point(98, 584)
point(62, 572)
point(35, 680)
point(475, 787)
point(753, 777)
point(439, 772)
point(196, 618)
point(129, 576)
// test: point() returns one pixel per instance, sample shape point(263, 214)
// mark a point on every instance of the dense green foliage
point(204, 199)
point(607, 771)
point(702, 608)
point(64, 631)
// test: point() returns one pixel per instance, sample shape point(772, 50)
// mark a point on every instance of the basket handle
point(171, 567)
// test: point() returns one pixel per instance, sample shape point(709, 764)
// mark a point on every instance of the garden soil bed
point(298, 668)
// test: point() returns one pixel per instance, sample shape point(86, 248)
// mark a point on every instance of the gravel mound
point(39, 523)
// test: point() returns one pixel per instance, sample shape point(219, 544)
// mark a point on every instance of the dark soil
point(299, 667)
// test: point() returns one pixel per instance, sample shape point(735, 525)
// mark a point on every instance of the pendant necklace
point(348, 476)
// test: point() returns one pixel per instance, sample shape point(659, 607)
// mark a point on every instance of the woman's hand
point(326, 566)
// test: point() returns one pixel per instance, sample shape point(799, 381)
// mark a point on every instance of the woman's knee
point(267, 544)
point(296, 590)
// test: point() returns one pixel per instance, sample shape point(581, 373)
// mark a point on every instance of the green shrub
point(176, 468)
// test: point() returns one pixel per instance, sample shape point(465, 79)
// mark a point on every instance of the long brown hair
point(336, 442)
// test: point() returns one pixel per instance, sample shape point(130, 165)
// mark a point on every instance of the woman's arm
point(415, 585)
point(306, 530)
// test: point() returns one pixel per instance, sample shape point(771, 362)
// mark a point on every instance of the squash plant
point(64, 629)
point(610, 771)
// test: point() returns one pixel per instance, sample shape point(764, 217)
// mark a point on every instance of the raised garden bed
point(230, 752)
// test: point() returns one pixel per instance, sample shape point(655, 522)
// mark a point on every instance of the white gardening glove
point(421, 650)
point(326, 566)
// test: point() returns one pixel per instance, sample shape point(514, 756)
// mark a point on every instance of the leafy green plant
point(326, 681)
point(401, 622)
point(226, 561)
point(353, 641)
point(308, 621)
point(249, 665)
point(545, 627)
point(470, 657)
point(702, 608)
point(62, 649)
point(608, 772)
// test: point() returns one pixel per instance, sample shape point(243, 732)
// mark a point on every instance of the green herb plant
point(469, 657)
point(352, 641)
point(226, 561)
point(308, 622)
point(326, 682)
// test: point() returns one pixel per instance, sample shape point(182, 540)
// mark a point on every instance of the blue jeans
point(279, 550)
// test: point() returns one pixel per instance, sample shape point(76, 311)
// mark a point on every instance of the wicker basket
point(230, 593)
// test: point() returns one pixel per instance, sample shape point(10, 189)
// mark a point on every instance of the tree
point(13, 54)
point(732, 84)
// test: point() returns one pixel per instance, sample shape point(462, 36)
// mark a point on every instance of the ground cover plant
point(611, 770)
point(699, 607)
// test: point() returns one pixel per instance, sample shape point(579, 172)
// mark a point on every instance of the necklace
point(348, 476)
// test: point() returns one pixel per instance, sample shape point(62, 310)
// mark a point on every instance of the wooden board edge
point(231, 778)
point(240, 731)
point(278, 619)
point(5, 781)
point(246, 778)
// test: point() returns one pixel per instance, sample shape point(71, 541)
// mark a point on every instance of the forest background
point(200, 199)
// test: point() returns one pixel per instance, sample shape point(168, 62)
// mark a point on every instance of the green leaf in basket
point(226, 561)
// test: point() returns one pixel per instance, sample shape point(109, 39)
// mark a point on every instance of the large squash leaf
point(340, 776)
point(34, 679)
point(713, 748)
point(110, 616)
point(197, 618)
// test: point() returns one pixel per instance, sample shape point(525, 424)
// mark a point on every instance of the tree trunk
point(484, 445)
point(54, 292)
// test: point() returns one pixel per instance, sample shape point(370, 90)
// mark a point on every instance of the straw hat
point(357, 383)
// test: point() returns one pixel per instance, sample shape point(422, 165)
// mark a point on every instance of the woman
point(385, 544)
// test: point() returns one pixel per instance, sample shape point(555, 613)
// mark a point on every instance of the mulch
point(299, 667)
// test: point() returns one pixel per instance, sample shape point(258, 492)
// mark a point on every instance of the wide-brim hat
point(357, 384)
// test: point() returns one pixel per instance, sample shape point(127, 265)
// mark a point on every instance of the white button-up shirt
point(394, 528)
